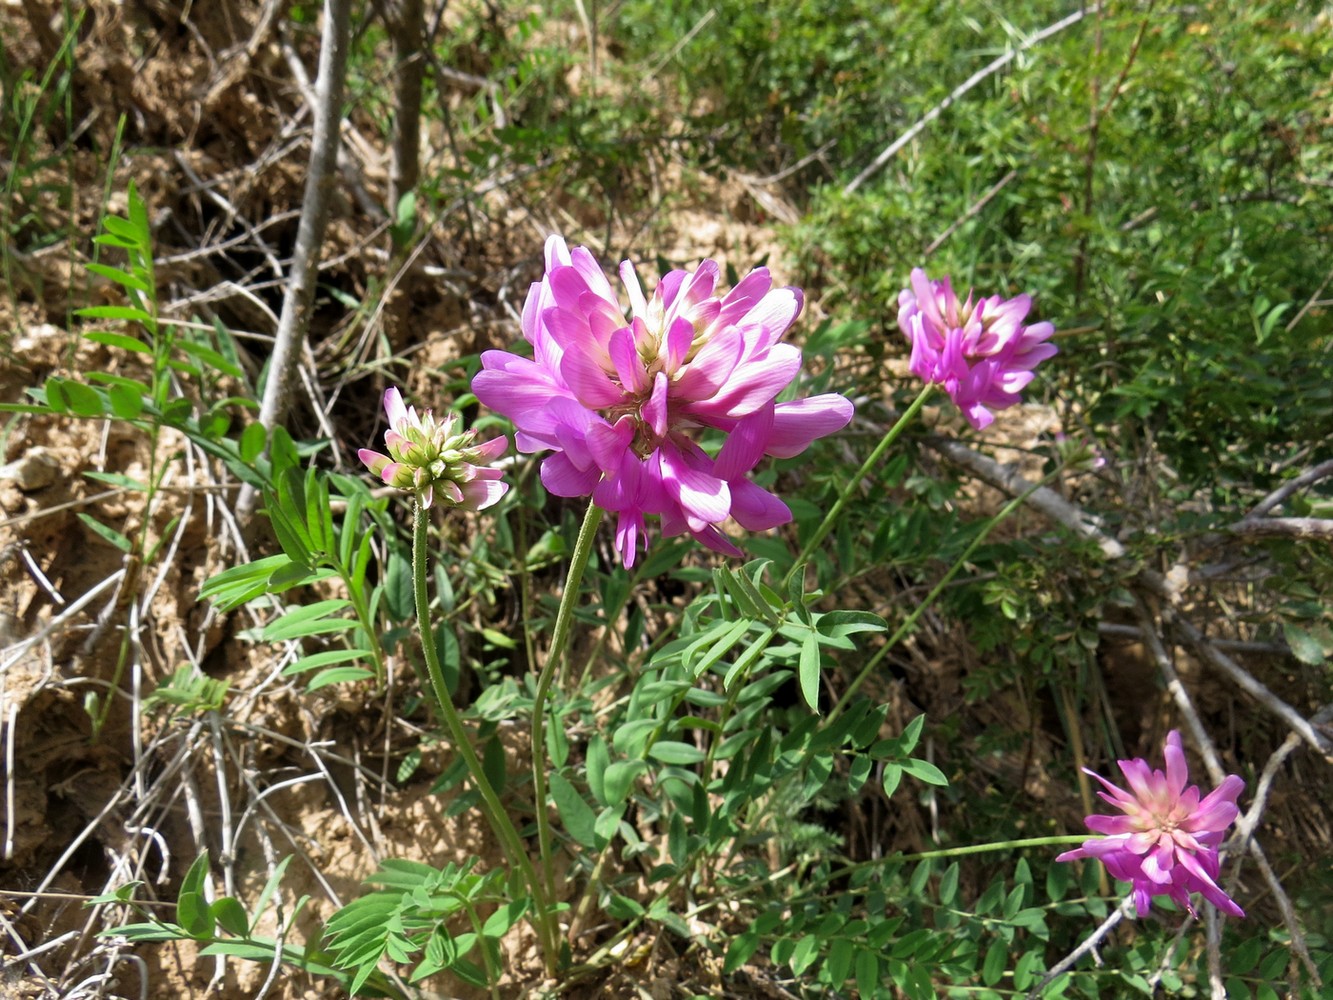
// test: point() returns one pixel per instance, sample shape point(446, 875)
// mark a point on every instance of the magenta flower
point(429, 457)
point(1166, 843)
point(619, 400)
point(980, 352)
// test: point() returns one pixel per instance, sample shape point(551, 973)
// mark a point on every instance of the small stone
point(41, 343)
point(35, 470)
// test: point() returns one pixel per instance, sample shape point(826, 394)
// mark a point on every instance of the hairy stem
point(564, 619)
point(854, 483)
point(492, 808)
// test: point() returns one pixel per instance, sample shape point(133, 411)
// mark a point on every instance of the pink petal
point(609, 444)
point(668, 287)
point(1157, 864)
point(744, 446)
point(755, 509)
point(698, 286)
point(569, 328)
point(530, 322)
point(927, 300)
point(481, 493)
point(393, 407)
point(754, 383)
point(698, 493)
point(1177, 768)
point(604, 318)
point(373, 460)
point(488, 451)
point(710, 369)
point(591, 272)
point(775, 314)
point(1115, 795)
point(1143, 782)
point(1205, 884)
point(625, 357)
point(591, 384)
point(740, 300)
point(628, 278)
point(797, 423)
point(679, 339)
point(655, 410)
point(557, 252)
point(630, 530)
point(1110, 825)
point(1142, 901)
point(561, 477)
point(1218, 810)
point(711, 538)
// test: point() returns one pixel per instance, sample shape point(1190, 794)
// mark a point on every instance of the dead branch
point(1161, 586)
point(300, 296)
point(1321, 471)
point(991, 68)
point(1284, 527)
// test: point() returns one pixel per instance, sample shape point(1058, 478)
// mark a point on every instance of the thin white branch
point(1284, 527)
point(1321, 471)
point(299, 299)
point(1060, 510)
point(991, 68)
point(1092, 940)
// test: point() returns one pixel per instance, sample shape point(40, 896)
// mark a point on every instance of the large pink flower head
point(618, 397)
point(981, 352)
point(431, 457)
point(1166, 842)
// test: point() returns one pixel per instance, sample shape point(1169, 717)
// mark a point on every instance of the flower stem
point(854, 483)
point(958, 852)
point(564, 619)
point(935, 592)
point(491, 807)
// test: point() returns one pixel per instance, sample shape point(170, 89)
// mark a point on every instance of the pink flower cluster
point(429, 457)
point(619, 400)
point(980, 352)
point(1166, 842)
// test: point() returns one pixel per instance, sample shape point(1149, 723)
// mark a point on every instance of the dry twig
point(300, 296)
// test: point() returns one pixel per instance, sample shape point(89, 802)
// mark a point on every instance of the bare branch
point(1087, 945)
point(294, 322)
point(972, 210)
point(1080, 523)
point(1321, 471)
point(991, 68)
point(300, 296)
point(1244, 680)
point(1284, 527)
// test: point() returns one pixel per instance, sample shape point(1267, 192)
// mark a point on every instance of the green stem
point(564, 620)
point(999, 845)
point(935, 592)
point(958, 852)
point(854, 483)
point(499, 821)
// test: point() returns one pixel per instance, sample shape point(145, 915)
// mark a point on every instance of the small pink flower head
point(432, 457)
point(619, 396)
point(982, 353)
point(1166, 842)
